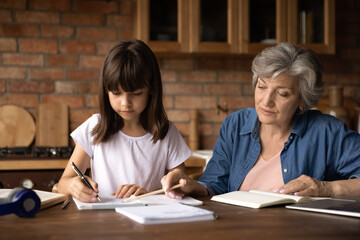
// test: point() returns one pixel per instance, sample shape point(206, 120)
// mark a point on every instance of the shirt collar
point(300, 123)
point(252, 124)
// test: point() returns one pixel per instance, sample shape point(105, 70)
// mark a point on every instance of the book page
point(290, 196)
point(4, 193)
point(280, 195)
point(251, 199)
point(49, 199)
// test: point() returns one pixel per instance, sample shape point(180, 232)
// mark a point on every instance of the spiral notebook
point(171, 213)
point(110, 202)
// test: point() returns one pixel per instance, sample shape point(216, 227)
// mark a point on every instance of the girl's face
point(129, 105)
point(276, 100)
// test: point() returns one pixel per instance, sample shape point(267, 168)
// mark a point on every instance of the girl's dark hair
point(131, 65)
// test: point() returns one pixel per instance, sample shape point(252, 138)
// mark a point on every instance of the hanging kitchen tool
point(17, 127)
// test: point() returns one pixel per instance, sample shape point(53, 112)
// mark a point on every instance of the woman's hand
point(125, 191)
point(82, 192)
point(308, 186)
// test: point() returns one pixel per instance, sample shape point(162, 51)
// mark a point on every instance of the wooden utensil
point(52, 125)
point(17, 127)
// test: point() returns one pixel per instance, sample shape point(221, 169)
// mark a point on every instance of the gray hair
point(302, 64)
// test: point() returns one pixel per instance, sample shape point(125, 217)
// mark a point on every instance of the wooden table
point(233, 223)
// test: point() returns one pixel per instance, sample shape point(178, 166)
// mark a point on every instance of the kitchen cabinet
point(262, 23)
point(214, 31)
point(234, 26)
point(213, 26)
point(163, 24)
point(312, 24)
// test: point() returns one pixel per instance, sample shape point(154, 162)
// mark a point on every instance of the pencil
point(150, 193)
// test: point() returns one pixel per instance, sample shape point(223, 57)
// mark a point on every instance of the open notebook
point(259, 199)
point(47, 199)
point(111, 202)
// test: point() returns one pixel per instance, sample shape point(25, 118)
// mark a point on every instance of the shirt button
point(286, 148)
point(291, 137)
point(285, 170)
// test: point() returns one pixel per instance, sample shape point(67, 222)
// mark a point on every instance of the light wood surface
point(233, 223)
point(58, 163)
point(17, 127)
point(193, 132)
point(38, 164)
point(52, 125)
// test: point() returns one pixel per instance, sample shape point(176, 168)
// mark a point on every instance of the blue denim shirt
point(319, 146)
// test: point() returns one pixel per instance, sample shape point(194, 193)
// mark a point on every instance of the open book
point(171, 213)
point(259, 199)
point(111, 202)
point(47, 199)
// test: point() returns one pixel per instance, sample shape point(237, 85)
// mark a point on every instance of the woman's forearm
point(350, 187)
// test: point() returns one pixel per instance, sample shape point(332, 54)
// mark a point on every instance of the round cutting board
point(17, 127)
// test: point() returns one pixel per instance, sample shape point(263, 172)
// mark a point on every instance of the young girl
point(131, 144)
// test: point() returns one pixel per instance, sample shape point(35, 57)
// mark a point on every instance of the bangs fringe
point(128, 74)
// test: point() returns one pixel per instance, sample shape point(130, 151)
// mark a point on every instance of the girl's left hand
point(307, 186)
point(125, 191)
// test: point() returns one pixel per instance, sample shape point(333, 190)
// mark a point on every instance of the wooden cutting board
point(17, 127)
point(52, 125)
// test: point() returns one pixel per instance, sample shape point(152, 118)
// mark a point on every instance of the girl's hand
point(80, 191)
point(125, 191)
point(175, 176)
point(307, 186)
point(188, 185)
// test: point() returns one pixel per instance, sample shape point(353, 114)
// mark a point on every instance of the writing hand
point(82, 192)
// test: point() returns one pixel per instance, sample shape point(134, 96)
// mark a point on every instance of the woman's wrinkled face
point(277, 99)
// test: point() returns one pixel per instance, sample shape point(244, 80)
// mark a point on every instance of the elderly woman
point(281, 145)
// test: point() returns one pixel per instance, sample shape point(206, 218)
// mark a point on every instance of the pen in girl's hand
point(83, 178)
point(66, 203)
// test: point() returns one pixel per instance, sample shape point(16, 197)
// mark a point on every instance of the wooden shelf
point(32, 164)
point(57, 163)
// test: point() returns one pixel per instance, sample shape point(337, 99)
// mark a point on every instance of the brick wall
point(51, 51)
